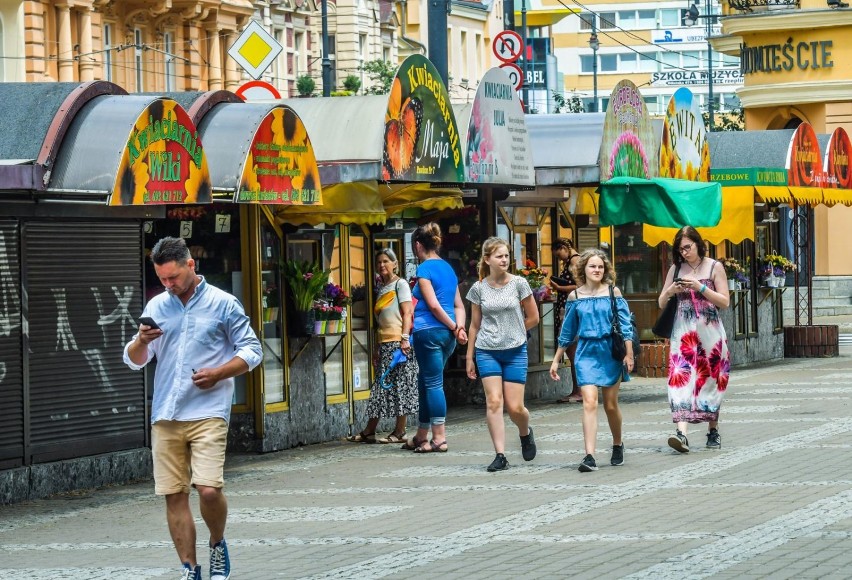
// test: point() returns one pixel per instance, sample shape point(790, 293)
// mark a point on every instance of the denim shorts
point(509, 363)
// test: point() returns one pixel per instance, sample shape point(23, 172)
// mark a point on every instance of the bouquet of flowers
point(732, 268)
point(533, 274)
point(306, 282)
point(335, 296)
point(323, 311)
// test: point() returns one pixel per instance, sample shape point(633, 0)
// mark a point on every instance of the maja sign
point(679, 78)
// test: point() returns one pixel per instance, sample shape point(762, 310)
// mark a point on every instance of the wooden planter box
point(654, 360)
point(811, 341)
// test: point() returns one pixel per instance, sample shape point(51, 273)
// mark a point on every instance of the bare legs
point(681, 425)
point(590, 415)
point(499, 395)
point(214, 510)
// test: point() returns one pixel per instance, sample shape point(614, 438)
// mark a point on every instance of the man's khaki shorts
point(188, 452)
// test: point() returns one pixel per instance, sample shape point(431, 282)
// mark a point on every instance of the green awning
point(670, 203)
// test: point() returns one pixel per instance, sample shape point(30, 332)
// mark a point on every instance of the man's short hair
point(170, 250)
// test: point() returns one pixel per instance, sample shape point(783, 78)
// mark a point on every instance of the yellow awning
point(773, 193)
point(399, 197)
point(832, 197)
point(811, 195)
point(343, 203)
point(736, 225)
point(547, 17)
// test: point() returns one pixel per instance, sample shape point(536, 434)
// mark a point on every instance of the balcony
point(763, 5)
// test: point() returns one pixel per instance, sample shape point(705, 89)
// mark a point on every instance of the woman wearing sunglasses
point(699, 363)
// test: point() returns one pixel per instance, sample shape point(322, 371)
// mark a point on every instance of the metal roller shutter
point(11, 375)
point(84, 282)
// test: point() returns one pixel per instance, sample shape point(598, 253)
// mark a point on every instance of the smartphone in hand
point(148, 321)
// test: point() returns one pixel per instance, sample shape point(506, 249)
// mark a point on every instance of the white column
point(215, 59)
point(87, 64)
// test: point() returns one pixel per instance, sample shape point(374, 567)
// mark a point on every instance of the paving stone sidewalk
point(775, 502)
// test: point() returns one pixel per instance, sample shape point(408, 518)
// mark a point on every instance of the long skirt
point(400, 399)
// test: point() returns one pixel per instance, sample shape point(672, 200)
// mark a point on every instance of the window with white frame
point(332, 56)
point(648, 62)
point(586, 20)
point(464, 59)
point(108, 47)
point(608, 62)
point(670, 17)
point(692, 59)
point(139, 65)
point(298, 53)
point(627, 62)
point(169, 64)
point(606, 20)
point(363, 51)
point(587, 63)
point(279, 65)
point(478, 48)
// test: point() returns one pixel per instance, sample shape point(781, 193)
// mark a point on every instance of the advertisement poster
point(498, 147)
point(281, 167)
point(421, 138)
point(836, 162)
point(684, 149)
point(163, 161)
point(804, 161)
point(628, 147)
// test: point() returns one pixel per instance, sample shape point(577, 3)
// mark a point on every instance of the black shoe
point(679, 442)
point(499, 464)
point(617, 455)
point(528, 448)
point(588, 464)
point(714, 440)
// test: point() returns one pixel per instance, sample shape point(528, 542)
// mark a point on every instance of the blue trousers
point(432, 347)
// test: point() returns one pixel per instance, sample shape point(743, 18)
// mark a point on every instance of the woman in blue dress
point(588, 320)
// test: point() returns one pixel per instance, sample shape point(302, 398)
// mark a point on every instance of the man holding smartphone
point(202, 339)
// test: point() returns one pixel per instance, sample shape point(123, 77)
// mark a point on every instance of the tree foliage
point(381, 74)
point(730, 121)
point(570, 105)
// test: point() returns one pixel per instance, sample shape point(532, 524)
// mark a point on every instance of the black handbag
point(618, 349)
point(665, 322)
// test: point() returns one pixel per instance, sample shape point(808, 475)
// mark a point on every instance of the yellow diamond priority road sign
point(255, 49)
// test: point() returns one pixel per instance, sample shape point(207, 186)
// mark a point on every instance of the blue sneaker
point(190, 573)
point(220, 564)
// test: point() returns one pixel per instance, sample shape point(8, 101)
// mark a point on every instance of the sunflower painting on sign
point(421, 138)
point(684, 151)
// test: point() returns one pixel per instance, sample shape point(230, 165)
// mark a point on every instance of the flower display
point(732, 267)
point(776, 264)
point(306, 282)
point(533, 274)
point(334, 295)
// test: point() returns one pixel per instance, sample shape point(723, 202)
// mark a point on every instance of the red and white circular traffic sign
point(507, 46)
point(516, 75)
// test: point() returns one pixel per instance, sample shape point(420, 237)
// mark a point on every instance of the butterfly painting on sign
point(402, 131)
point(421, 138)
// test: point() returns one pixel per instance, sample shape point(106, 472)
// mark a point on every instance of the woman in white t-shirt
point(502, 311)
point(393, 393)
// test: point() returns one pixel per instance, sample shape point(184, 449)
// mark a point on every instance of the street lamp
point(594, 44)
point(691, 18)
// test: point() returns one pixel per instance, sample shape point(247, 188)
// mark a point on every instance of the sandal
point(412, 444)
point(362, 438)
point(433, 447)
point(393, 438)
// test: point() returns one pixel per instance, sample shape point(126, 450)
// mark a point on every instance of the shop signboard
point(836, 160)
point(421, 138)
point(163, 161)
point(498, 148)
point(804, 161)
point(281, 167)
point(627, 148)
point(749, 176)
point(684, 149)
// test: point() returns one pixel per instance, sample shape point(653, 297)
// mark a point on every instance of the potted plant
point(305, 281)
point(305, 85)
point(330, 307)
point(352, 83)
point(734, 271)
point(775, 268)
point(535, 277)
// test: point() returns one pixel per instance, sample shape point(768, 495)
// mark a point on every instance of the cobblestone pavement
point(775, 502)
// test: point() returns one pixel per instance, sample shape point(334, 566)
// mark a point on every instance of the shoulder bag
point(665, 322)
point(618, 349)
